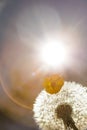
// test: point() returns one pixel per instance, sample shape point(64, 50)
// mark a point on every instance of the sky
point(25, 25)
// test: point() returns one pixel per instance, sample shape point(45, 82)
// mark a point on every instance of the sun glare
point(54, 53)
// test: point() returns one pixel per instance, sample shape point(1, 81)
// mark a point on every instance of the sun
point(54, 53)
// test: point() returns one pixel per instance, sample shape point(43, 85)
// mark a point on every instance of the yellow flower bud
point(53, 83)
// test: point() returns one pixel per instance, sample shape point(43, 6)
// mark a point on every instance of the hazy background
point(24, 26)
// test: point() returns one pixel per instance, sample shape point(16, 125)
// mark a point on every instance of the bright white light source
point(54, 53)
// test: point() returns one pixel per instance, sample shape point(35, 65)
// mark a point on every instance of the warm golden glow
point(53, 83)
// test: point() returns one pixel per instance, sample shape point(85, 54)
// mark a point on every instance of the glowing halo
point(54, 53)
point(11, 98)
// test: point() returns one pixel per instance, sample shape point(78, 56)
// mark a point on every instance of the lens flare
point(54, 53)
point(11, 97)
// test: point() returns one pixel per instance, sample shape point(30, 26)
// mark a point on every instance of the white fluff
point(45, 105)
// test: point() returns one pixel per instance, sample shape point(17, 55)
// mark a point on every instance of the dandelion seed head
point(46, 104)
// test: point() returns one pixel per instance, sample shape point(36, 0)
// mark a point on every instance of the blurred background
point(24, 27)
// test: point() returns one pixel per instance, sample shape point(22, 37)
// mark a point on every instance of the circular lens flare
point(11, 97)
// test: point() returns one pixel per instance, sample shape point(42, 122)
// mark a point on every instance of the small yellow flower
point(53, 83)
